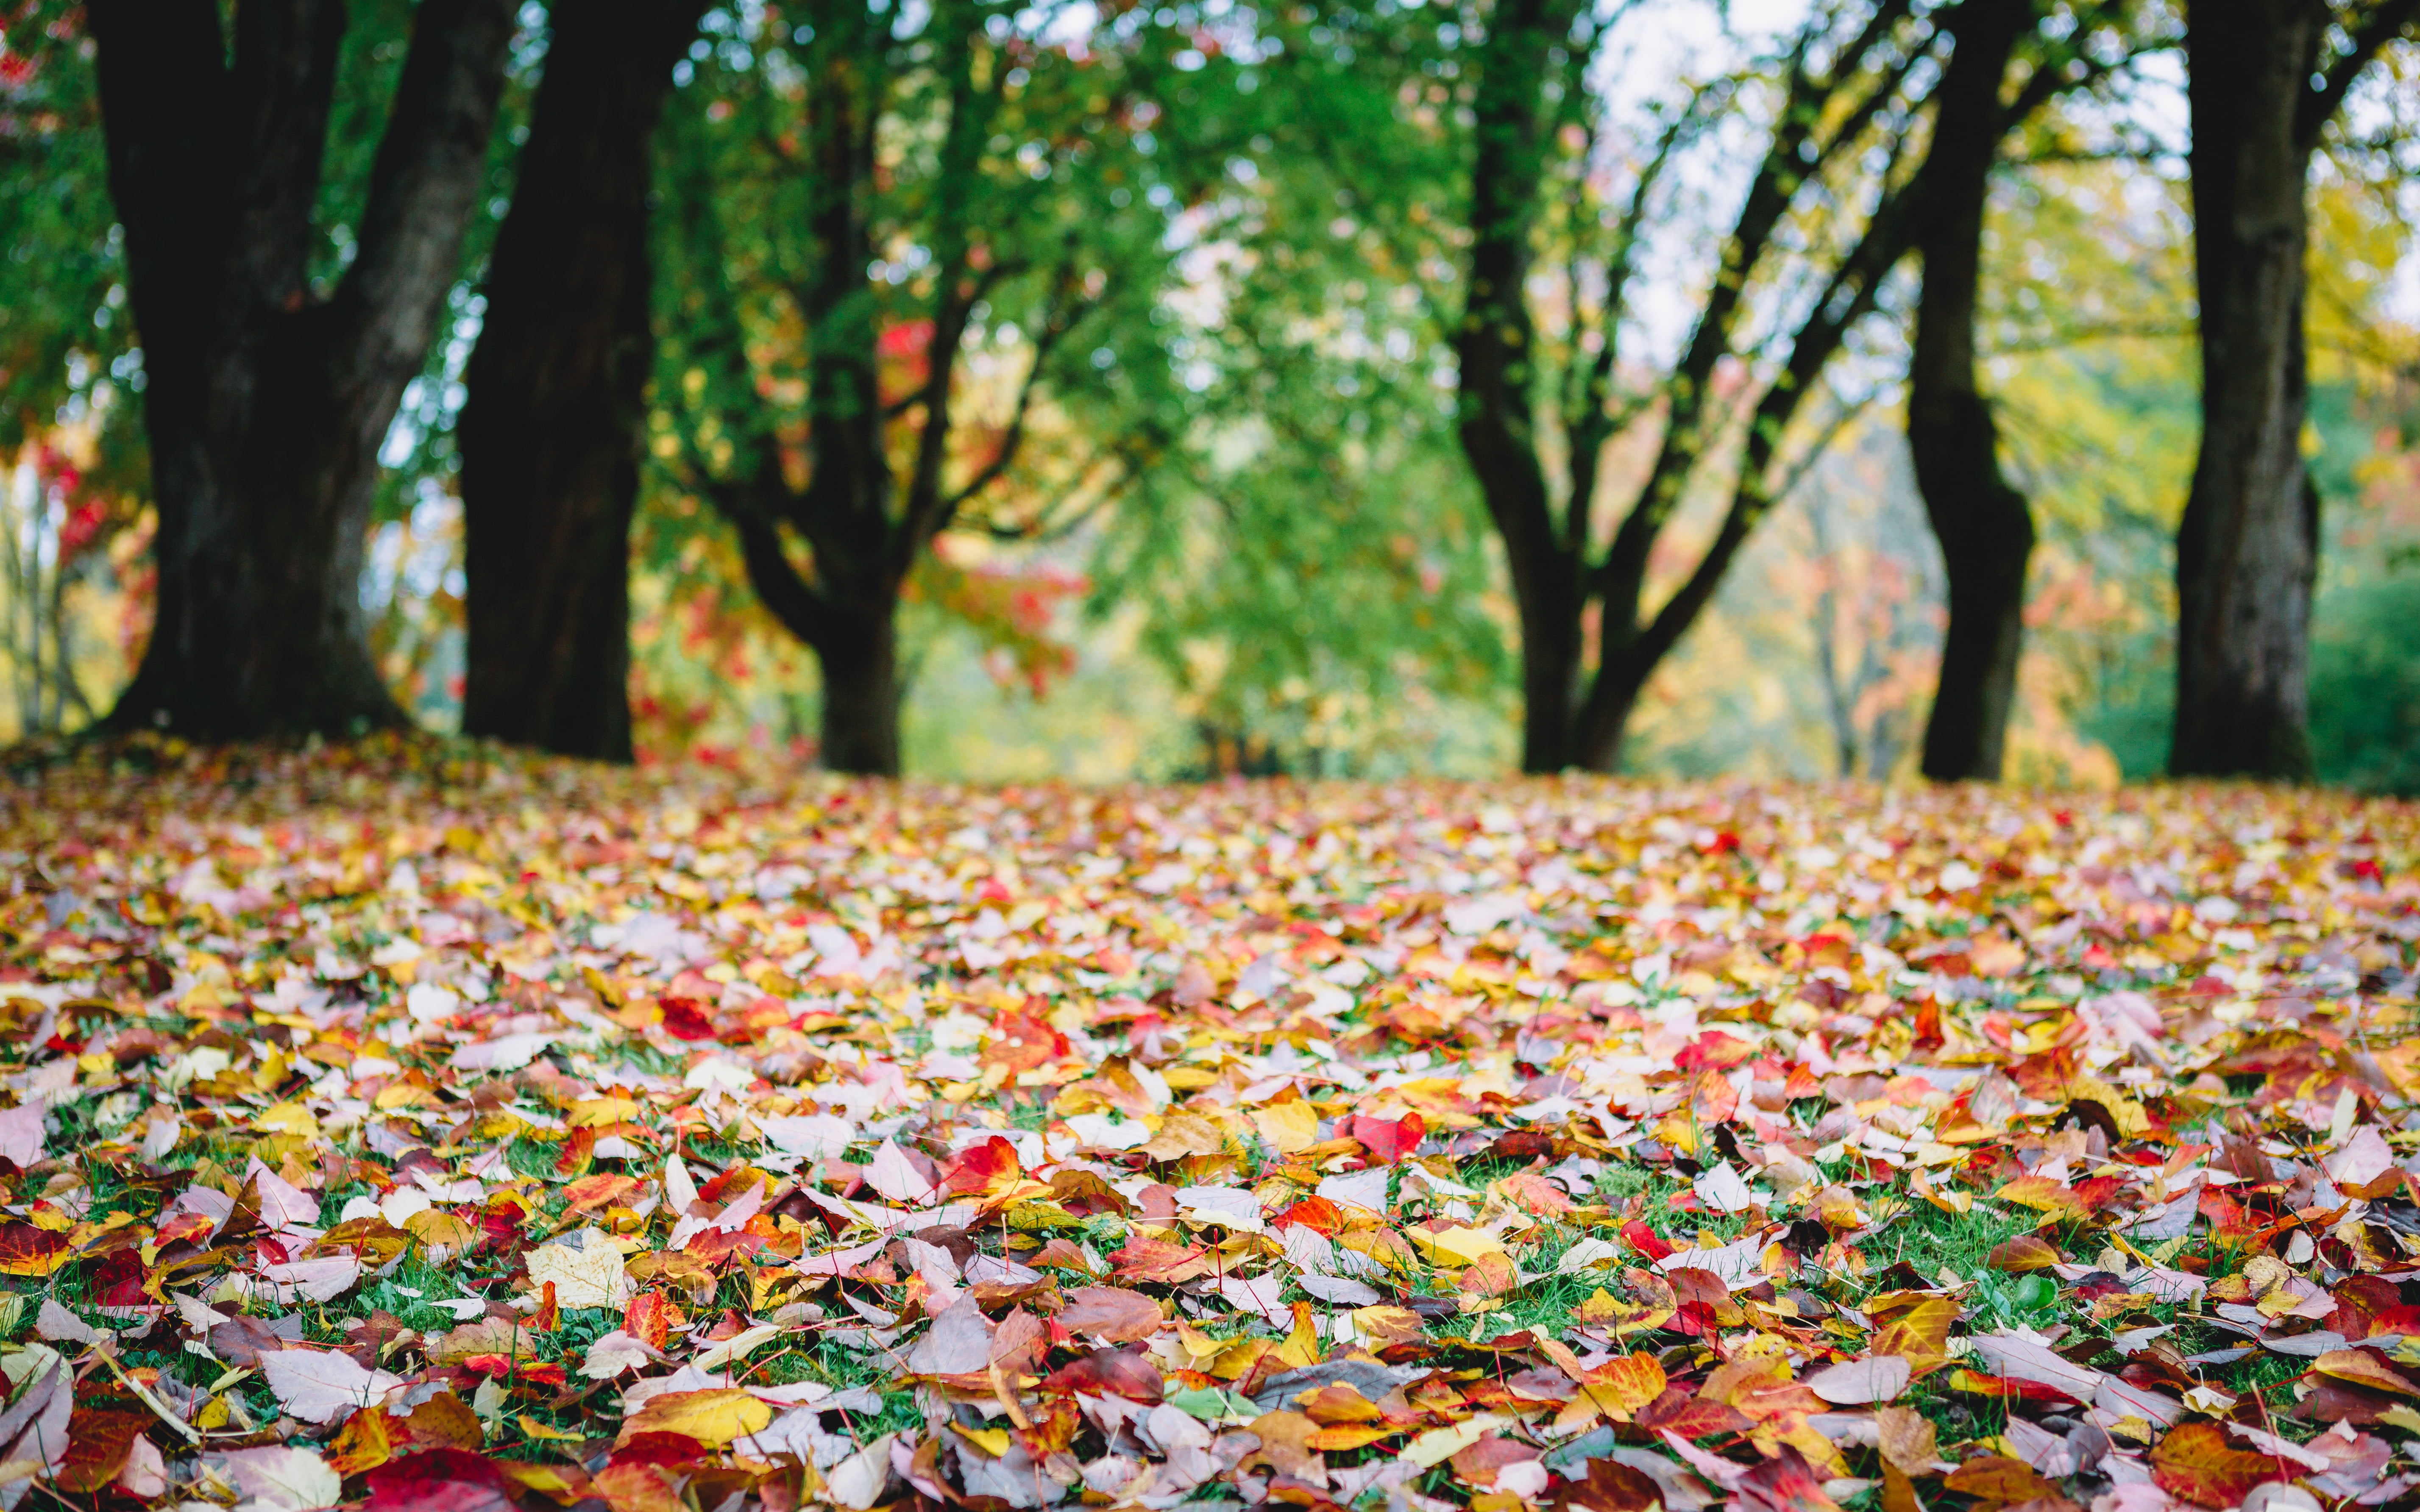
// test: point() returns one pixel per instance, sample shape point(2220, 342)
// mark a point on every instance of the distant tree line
point(857, 275)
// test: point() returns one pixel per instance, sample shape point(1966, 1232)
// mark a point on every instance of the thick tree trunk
point(854, 635)
point(2248, 548)
point(551, 435)
point(1604, 723)
point(860, 658)
point(1984, 526)
point(264, 405)
point(1550, 681)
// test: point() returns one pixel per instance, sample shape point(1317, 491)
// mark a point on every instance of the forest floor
point(412, 1126)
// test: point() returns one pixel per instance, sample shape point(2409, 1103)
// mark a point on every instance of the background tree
point(906, 244)
point(2265, 78)
point(1829, 188)
point(1982, 521)
point(266, 398)
point(553, 431)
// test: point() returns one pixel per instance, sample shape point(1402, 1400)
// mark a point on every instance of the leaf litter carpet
point(412, 1127)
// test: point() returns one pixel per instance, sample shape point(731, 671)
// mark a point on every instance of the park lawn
point(416, 1124)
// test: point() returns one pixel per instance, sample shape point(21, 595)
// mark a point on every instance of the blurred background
point(1212, 510)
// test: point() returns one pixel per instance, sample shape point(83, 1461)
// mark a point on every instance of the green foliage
point(2365, 685)
point(67, 336)
point(1322, 583)
point(1062, 219)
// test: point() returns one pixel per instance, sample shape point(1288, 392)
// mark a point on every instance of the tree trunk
point(2248, 548)
point(551, 435)
point(1984, 526)
point(1550, 682)
point(860, 658)
point(1495, 367)
point(1605, 722)
point(265, 405)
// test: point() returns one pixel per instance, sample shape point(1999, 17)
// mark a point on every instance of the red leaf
point(657, 1447)
point(1319, 1215)
point(1714, 1051)
point(438, 1480)
point(686, 1018)
point(98, 1443)
point(1024, 1041)
point(650, 1318)
point(1156, 1259)
point(1645, 1240)
point(1109, 1372)
point(25, 1250)
point(985, 1167)
point(1387, 1140)
point(1785, 1483)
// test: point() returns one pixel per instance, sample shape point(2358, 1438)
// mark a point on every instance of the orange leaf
point(1920, 1333)
point(2198, 1465)
point(25, 1250)
point(1622, 1387)
point(2024, 1253)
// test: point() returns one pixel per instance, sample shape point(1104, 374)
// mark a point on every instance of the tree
point(1982, 521)
point(1843, 100)
point(2265, 78)
point(266, 395)
point(904, 245)
point(551, 435)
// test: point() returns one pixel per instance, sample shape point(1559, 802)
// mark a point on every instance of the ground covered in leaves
point(416, 1127)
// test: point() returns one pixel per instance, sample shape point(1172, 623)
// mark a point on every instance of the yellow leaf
point(1341, 1438)
point(713, 1418)
point(2402, 1417)
point(1622, 1387)
point(1453, 1247)
point(536, 1429)
point(993, 1441)
point(1920, 1332)
point(1439, 1445)
point(286, 1118)
point(1288, 1126)
point(600, 1112)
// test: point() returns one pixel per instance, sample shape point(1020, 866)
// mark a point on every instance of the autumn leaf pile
point(413, 1126)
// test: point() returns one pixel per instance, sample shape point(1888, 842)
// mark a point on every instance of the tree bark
point(1984, 526)
point(551, 434)
point(264, 404)
point(860, 661)
point(2248, 548)
point(1494, 354)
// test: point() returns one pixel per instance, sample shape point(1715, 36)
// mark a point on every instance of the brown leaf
point(1111, 1314)
point(1908, 1440)
point(1285, 1447)
point(1998, 1478)
point(98, 1441)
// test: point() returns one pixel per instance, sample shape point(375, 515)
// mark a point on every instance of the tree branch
point(430, 170)
point(1593, 427)
point(2370, 34)
point(1791, 159)
point(1053, 331)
